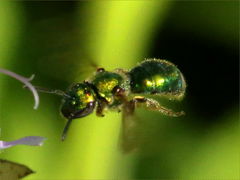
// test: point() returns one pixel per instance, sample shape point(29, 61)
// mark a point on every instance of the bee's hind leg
point(154, 105)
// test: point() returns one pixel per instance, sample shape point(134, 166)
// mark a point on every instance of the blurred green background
point(57, 40)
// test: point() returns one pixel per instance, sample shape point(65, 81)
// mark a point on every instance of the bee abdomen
point(155, 76)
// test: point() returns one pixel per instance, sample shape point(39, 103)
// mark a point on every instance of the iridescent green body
point(157, 77)
point(123, 90)
point(152, 76)
point(105, 82)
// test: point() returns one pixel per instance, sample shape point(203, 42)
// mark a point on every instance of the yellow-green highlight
point(11, 20)
point(216, 155)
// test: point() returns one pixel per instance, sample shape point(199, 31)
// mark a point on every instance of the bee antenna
point(65, 130)
point(51, 91)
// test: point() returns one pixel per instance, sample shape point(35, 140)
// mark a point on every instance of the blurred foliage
point(13, 171)
point(59, 41)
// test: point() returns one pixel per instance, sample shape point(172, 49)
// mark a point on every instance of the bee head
point(79, 102)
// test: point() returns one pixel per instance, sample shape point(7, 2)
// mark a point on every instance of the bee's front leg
point(154, 105)
point(101, 105)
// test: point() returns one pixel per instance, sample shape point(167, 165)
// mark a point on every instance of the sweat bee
point(123, 90)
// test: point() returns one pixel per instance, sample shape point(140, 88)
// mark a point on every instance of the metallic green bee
point(124, 90)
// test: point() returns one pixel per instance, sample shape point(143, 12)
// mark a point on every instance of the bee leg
point(154, 105)
point(100, 108)
point(51, 91)
point(119, 93)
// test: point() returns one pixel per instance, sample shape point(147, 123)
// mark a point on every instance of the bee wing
point(130, 139)
point(13, 171)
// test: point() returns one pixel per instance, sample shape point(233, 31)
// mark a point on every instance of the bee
point(123, 90)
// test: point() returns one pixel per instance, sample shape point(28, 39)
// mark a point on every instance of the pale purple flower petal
point(26, 82)
point(28, 140)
